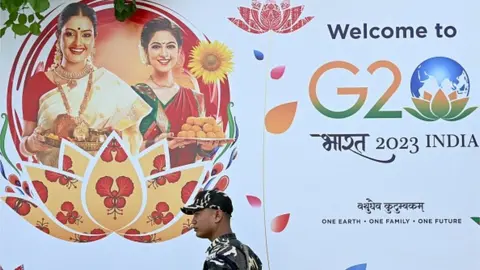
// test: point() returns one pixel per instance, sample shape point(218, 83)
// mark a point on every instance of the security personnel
point(212, 211)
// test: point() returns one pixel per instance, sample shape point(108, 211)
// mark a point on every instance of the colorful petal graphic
point(258, 54)
point(362, 266)
point(269, 16)
point(222, 184)
point(476, 220)
point(280, 223)
point(254, 201)
point(279, 119)
point(277, 72)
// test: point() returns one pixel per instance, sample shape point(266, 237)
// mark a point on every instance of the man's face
point(205, 222)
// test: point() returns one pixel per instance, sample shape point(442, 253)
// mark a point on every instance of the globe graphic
point(440, 73)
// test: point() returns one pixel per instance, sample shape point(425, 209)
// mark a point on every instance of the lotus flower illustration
point(440, 89)
point(270, 16)
point(441, 106)
point(88, 198)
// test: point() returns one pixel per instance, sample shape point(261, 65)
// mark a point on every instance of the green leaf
point(31, 18)
point(8, 23)
point(39, 16)
point(13, 16)
point(476, 219)
point(35, 28)
point(22, 19)
point(3, 135)
point(39, 5)
point(18, 3)
point(12, 7)
point(464, 114)
point(20, 29)
point(119, 5)
point(120, 15)
point(416, 114)
point(2, 31)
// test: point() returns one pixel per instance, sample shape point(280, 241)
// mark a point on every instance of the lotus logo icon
point(440, 89)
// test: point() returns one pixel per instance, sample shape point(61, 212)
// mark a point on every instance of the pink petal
point(254, 201)
point(277, 72)
point(280, 223)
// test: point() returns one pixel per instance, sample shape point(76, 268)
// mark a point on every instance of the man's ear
point(219, 215)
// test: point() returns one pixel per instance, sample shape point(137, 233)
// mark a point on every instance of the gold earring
point(90, 57)
point(143, 56)
point(57, 58)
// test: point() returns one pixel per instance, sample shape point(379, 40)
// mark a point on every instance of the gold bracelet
point(23, 147)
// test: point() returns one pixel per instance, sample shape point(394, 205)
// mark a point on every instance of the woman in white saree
point(73, 94)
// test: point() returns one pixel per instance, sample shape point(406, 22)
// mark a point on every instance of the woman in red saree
point(161, 43)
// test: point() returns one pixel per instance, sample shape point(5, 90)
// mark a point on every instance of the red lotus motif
point(270, 16)
point(92, 198)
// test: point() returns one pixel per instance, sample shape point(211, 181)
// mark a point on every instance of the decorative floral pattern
point(22, 206)
point(114, 151)
point(164, 179)
point(42, 225)
point(187, 226)
point(161, 215)
point(133, 235)
point(95, 235)
point(114, 182)
point(64, 180)
point(115, 200)
point(68, 214)
point(187, 190)
point(270, 16)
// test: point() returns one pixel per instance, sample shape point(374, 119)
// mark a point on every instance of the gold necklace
point(162, 86)
point(81, 129)
point(72, 77)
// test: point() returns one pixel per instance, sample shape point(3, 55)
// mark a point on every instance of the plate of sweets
point(80, 134)
point(203, 129)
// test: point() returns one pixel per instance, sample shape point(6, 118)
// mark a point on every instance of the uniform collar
point(221, 241)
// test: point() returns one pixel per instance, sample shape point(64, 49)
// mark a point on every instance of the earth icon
point(440, 73)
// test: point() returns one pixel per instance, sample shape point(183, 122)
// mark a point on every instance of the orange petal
point(222, 184)
point(427, 96)
point(453, 95)
point(254, 201)
point(279, 119)
point(280, 223)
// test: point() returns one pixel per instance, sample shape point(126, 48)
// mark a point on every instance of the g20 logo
point(440, 89)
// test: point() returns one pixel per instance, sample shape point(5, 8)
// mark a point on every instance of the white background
point(302, 178)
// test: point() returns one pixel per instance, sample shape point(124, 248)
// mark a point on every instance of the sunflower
point(211, 61)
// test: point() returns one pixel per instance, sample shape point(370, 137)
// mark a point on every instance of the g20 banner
point(347, 139)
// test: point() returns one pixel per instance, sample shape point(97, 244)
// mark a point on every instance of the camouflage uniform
point(226, 252)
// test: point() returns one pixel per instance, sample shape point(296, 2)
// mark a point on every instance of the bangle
point(204, 153)
point(23, 147)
